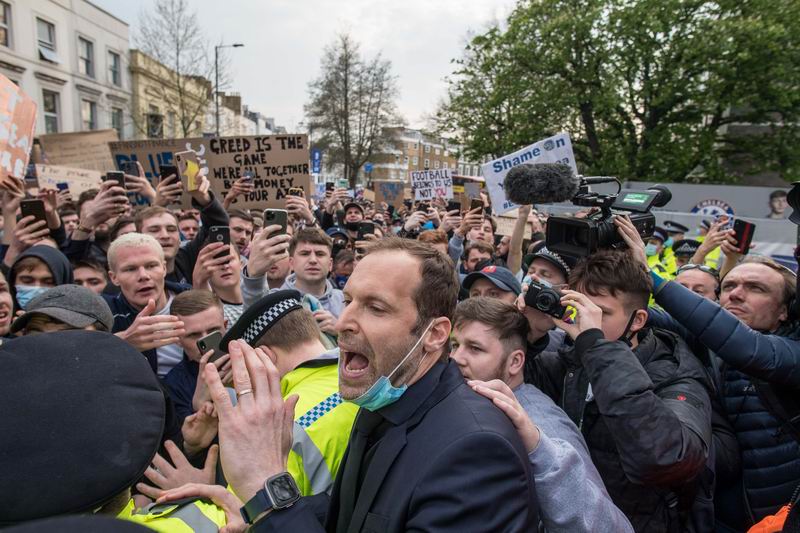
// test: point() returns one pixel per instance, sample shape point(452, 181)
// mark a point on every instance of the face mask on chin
point(382, 392)
point(26, 293)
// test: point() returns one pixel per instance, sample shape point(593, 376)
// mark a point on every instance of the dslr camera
point(580, 237)
point(545, 299)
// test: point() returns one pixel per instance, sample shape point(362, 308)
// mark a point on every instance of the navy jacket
point(181, 383)
point(450, 461)
point(770, 458)
point(125, 314)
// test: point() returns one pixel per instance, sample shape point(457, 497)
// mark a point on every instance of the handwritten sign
point(277, 163)
point(391, 192)
point(82, 149)
point(77, 179)
point(430, 184)
point(506, 223)
point(555, 149)
point(17, 121)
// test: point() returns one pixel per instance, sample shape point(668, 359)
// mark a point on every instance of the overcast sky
point(284, 40)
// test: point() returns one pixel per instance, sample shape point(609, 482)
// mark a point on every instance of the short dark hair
point(92, 264)
point(777, 194)
point(150, 212)
point(186, 216)
point(239, 213)
point(194, 301)
point(344, 256)
point(433, 236)
point(120, 223)
point(67, 210)
point(437, 293)
point(481, 246)
point(615, 272)
point(310, 236)
point(509, 325)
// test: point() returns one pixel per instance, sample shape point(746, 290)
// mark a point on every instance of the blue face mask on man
point(650, 250)
point(669, 242)
point(382, 392)
point(26, 293)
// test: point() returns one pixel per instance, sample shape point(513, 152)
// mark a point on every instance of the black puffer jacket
point(646, 419)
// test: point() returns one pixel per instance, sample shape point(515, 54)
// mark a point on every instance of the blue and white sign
point(555, 149)
point(316, 160)
point(368, 167)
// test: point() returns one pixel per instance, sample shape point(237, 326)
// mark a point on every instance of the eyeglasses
point(702, 268)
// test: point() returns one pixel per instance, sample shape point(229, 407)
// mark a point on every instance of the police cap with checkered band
point(261, 316)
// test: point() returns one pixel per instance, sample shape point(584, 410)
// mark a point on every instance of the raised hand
point(180, 472)
point(266, 250)
point(150, 331)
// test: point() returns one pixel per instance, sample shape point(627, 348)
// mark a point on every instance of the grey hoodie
point(332, 301)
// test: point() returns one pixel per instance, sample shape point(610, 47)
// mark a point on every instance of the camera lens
point(545, 300)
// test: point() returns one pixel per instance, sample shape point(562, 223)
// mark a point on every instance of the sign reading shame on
point(277, 163)
point(429, 184)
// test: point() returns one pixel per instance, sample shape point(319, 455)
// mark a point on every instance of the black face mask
point(625, 337)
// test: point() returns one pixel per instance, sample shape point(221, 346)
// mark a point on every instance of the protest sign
point(17, 121)
point(277, 163)
point(83, 149)
point(391, 192)
point(506, 223)
point(78, 179)
point(368, 195)
point(555, 149)
point(430, 184)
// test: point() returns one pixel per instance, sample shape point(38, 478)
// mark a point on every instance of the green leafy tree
point(651, 89)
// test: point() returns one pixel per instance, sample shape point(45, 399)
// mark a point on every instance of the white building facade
point(72, 58)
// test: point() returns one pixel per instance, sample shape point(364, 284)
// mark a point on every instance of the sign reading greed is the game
point(276, 162)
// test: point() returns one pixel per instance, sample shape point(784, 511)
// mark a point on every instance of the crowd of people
point(369, 368)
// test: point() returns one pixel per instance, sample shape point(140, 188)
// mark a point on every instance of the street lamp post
point(216, 79)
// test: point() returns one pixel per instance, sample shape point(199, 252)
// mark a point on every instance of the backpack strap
point(782, 406)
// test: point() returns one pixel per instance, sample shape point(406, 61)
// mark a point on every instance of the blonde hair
point(132, 240)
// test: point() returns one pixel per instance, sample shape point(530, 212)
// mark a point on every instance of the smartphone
point(365, 228)
point(211, 342)
point(343, 183)
point(62, 186)
point(453, 205)
point(130, 168)
point(330, 186)
point(247, 175)
point(220, 234)
point(116, 175)
point(34, 208)
point(165, 171)
point(276, 216)
point(475, 203)
point(744, 235)
point(189, 169)
point(296, 191)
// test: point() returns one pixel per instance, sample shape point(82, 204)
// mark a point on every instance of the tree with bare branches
point(351, 104)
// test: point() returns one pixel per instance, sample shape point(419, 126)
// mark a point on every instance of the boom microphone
point(540, 183)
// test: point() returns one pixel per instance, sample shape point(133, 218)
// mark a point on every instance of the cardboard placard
point(369, 195)
point(277, 162)
point(430, 184)
point(506, 223)
point(391, 192)
point(17, 121)
point(83, 149)
point(78, 179)
point(555, 149)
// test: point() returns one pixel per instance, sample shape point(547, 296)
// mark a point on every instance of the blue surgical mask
point(26, 293)
point(651, 250)
point(382, 392)
point(669, 242)
point(340, 281)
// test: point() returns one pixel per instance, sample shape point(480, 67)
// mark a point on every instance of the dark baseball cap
point(74, 305)
point(353, 204)
point(502, 278)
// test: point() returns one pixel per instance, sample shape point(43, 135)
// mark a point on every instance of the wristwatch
point(279, 492)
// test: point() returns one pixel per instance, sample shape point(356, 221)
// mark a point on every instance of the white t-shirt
point(170, 355)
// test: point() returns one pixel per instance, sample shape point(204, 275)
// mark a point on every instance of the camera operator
point(758, 368)
point(639, 396)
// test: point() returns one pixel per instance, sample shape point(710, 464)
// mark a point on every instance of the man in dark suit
point(426, 453)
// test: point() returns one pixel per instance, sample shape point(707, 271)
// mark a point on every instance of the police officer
point(87, 414)
point(290, 336)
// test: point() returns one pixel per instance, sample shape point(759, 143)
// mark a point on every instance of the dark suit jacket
point(451, 461)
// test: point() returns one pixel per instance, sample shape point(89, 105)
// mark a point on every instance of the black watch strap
point(279, 492)
point(256, 506)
